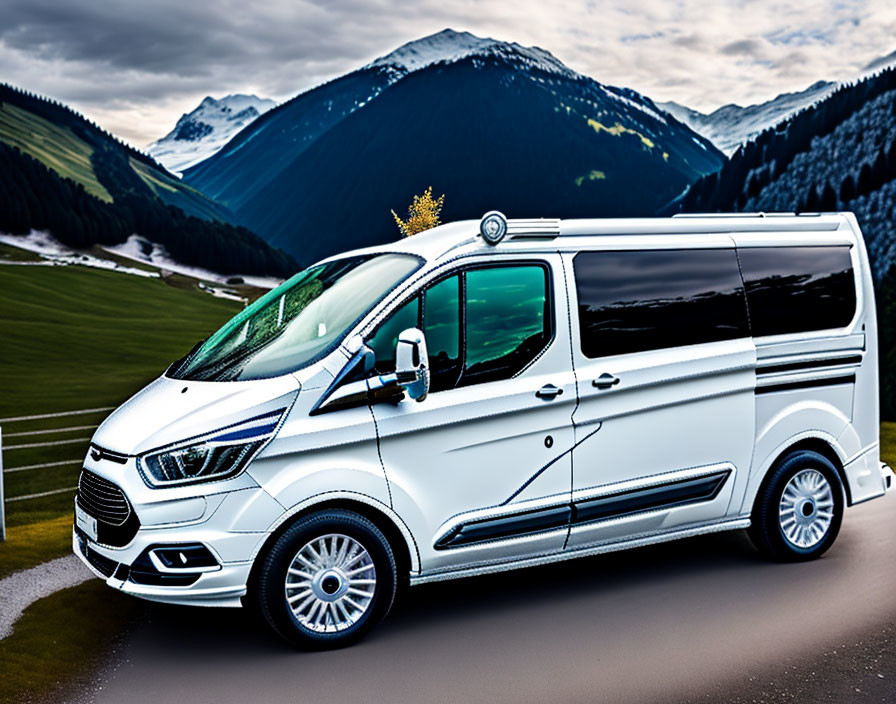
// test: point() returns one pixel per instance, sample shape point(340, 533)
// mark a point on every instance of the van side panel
point(863, 469)
point(820, 384)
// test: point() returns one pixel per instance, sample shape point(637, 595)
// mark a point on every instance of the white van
point(492, 395)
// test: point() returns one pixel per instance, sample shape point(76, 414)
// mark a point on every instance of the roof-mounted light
point(493, 227)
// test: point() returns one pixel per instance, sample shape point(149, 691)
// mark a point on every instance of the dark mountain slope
point(258, 153)
point(489, 132)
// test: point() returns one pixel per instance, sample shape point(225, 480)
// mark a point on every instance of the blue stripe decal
point(263, 425)
point(258, 431)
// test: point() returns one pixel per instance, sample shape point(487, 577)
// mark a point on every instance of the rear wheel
point(799, 508)
point(327, 580)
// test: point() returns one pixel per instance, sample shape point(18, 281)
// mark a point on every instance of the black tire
point(270, 588)
point(766, 531)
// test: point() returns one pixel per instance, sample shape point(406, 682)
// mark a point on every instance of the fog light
point(183, 558)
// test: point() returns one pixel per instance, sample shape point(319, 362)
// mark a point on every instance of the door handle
point(549, 392)
point(605, 381)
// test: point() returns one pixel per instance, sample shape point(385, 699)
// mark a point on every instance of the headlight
point(218, 455)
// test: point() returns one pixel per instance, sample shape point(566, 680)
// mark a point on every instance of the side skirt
point(504, 566)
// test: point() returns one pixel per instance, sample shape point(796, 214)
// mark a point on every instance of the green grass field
point(60, 641)
point(78, 338)
point(888, 443)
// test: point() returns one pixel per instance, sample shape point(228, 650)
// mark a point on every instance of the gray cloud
point(750, 47)
point(134, 66)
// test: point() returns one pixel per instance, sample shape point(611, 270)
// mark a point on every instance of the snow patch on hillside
point(142, 250)
point(135, 248)
point(47, 246)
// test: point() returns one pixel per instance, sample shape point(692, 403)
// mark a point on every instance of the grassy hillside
point(76, 338)
point(61, 173)
point(56, 147)
point(67, 143)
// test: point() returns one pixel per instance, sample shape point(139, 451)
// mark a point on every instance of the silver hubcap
point(330, 583)
point(807, 509)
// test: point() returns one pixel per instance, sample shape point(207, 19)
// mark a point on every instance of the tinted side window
point(507, 321)
point(798, 289)
point(441, 325)
point(646, 300)
point(386, 337)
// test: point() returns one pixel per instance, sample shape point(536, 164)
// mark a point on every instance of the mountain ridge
point(731, 125)
point(272, 173)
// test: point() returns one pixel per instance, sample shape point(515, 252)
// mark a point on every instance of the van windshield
point(298, 322)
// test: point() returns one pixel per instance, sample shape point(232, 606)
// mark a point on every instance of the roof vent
point(494, 226)
point(537, 227)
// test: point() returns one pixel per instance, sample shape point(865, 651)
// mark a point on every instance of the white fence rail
point(32, 445)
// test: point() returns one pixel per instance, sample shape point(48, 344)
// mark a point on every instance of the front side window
point(634, 301)
point(298, 322)
point(483, 324)
point(507, 321)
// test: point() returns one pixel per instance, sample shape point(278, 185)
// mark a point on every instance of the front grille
point(116, 521)
point(102, 499)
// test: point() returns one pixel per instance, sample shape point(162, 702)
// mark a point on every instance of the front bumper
point(232, 533)
point(888, 476)
point(223, 587)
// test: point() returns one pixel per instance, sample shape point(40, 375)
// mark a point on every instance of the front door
point(665, 362)
point(480, 470)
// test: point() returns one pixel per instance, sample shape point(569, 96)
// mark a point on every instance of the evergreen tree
point(847, 190)
point(828, 199)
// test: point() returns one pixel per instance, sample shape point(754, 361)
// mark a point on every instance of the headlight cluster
point(218, 455)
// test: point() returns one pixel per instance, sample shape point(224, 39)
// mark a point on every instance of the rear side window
point(634, 301)
point(798, 289)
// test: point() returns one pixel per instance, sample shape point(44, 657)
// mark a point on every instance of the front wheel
point(327, 580)
point(799, 509)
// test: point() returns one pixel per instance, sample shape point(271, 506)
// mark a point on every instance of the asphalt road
point(686, 621)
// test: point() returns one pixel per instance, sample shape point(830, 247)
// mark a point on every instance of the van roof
point(448, 238)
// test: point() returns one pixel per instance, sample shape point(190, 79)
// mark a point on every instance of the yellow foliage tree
point(423, 214)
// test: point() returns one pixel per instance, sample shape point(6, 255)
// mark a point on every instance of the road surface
point(684, 621)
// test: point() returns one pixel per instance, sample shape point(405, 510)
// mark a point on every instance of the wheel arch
point(825, 446)
point(393, 528)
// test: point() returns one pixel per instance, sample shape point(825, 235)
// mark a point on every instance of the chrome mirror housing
point(412, 363)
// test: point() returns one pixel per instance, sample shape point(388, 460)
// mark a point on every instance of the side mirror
point(412, 363)
point(411, 376)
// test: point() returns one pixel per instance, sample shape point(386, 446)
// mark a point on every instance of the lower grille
point(100, 563)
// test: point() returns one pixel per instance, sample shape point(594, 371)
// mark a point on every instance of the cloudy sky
point(134, 66)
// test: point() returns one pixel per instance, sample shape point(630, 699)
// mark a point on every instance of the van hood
point(170, 410)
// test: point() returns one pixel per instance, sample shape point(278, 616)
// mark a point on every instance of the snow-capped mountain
point(490, 124)
point(450, 46)
point(202, 132)
point(731, 125)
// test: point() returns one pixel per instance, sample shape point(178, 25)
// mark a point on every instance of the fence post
point(2, 497)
